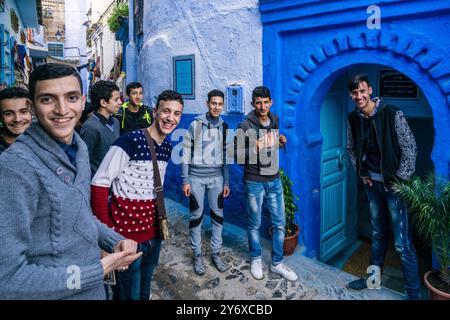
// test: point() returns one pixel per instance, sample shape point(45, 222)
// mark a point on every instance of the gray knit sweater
point(47, 229)
point(98, 138)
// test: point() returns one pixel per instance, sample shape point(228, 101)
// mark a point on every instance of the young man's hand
point(118, 260)
point(267, 141)
point(126, 245)
point(226, 191)
point(187, 189)
point(367, 181)
point(282, 140)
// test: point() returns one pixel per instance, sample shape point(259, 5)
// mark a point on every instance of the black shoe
point(357, 285)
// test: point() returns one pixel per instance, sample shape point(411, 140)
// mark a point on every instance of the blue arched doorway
point(306, 84)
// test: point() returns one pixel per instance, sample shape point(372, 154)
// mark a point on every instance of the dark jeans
point(383, 202)
point(135, 283)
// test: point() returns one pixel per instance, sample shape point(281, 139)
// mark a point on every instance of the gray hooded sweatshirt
point(204, 150)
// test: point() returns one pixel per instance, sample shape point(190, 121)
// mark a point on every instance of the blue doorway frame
point(303, 57)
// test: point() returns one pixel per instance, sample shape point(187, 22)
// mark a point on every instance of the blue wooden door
point(334, 175)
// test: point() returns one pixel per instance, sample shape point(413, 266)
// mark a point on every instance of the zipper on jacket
point(381, 153)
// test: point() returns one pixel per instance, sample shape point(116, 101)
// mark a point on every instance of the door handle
point(343, 160)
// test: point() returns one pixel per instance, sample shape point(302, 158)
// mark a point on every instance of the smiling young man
point(205, 170)
point(127, 169)
point(51, 242)
point(257, 142)
point(15, 115)
point(134, 114)
point(101, 129)
point(383, 150)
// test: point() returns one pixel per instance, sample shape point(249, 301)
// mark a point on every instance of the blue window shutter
point(184, 76)
point(235, 101)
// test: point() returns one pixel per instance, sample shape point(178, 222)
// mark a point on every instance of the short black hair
point(13, 93)
point(356, 80)
point(102, 90)
point(261, 92)
point(88, 108)
point(50, 71)
point(169, 95)
point(215, 93)
point(132, 85)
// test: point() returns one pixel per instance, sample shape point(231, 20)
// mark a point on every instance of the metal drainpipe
point(131, 54)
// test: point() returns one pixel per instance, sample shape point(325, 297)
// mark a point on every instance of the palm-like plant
point(289, 203)
point(429, 202)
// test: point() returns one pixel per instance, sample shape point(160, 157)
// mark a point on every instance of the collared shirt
point(108, 122)
point(377, 101)
point(70, 150)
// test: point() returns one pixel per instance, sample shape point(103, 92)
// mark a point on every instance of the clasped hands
point(123, 255)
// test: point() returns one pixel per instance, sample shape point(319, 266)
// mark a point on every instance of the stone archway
point(409, 54)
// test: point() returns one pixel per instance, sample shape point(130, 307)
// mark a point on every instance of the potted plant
point(429, 203)
point(292, 229)
point(120, 11)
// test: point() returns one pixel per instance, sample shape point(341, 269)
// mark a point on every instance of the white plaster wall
point(224, 35)
point(104, 38)
point(75, 34)
point(111, 48)
point(98, 8)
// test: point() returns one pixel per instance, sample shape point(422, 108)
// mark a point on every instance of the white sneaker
point(256, 269)
point(282, 270)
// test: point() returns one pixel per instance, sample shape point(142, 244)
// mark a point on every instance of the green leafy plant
point(429, 202)
point(120, 11)
point(289, 203)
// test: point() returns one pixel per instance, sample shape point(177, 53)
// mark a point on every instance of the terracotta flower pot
point(290, 243)
point(435, 294)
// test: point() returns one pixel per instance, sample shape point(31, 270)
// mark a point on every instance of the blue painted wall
point(308, 44)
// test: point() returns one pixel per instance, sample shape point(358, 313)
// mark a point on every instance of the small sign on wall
point(184, 76)
point(235, 101)
point(394, 84)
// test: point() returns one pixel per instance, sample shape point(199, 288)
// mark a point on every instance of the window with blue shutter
point(184, 76)
point(56, 50)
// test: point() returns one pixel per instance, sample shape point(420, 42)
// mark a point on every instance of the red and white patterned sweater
point(127, 169)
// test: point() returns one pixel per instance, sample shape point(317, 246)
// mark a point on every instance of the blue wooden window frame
point(55, 44)
point(184, 76)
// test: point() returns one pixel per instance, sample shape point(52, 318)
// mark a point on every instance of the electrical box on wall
point(235, 99)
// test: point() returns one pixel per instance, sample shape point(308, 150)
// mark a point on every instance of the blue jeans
point(382, 200)
point(272, 193)
point(135, 283)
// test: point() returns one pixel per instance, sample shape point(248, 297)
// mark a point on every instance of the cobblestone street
point(175, 279)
